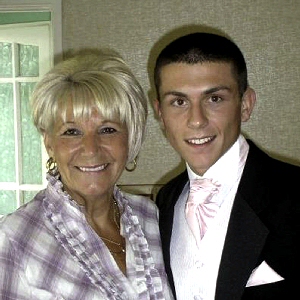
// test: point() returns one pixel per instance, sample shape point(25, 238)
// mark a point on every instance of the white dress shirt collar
point(227, 169)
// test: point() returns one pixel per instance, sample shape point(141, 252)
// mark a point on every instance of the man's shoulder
point(183, 176)
point(265, 159)
point(171, 190)
point(180, 179)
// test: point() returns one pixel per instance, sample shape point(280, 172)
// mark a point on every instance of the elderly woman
point(82, 237)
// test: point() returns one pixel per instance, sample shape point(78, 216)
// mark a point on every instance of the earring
point(51, 166)
point(133, 166)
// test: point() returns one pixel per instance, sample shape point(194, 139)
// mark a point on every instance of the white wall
point(267, 31)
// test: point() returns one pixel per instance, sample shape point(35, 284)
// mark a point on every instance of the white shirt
point(195, 270)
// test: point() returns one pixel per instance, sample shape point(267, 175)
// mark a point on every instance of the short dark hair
point(200, 47)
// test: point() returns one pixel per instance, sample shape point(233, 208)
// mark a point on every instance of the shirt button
point(198, 264)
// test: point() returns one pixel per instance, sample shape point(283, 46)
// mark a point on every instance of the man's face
point(201, 111)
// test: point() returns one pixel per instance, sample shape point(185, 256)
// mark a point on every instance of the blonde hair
point(100, 79)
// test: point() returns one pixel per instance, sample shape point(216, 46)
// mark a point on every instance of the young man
point(250, 249)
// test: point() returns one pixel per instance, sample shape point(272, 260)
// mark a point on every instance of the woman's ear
point(248, 103)
point(48, 144)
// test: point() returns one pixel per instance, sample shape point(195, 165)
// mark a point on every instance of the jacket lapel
point(246, 234)
point(166, 201)
point(244, 241)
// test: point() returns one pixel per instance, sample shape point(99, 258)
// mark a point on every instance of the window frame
point(54, 55)
point(53, 6)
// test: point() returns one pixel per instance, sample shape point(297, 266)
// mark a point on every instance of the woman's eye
point(71, 131)
point(108, 130)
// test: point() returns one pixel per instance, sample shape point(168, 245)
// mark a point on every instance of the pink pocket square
point(263, 274)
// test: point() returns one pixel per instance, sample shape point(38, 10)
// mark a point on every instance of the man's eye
point(215, 98)
point(108, 130)
point(179, 102)
point(71, 131)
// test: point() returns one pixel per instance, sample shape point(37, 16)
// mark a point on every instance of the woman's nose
point(90, 144)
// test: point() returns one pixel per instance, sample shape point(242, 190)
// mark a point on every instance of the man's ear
point(248, 103)
point(157, 108)
point(156, 105)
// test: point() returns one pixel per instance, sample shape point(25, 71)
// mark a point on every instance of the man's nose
point(197, 117)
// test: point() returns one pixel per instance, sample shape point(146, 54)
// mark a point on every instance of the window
point(26, 53)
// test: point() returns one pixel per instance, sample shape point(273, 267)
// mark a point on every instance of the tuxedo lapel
point(166, 200)
point(246, 233)
point(244, 241)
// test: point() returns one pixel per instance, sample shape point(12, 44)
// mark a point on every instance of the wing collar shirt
point(48, 251)
point(195, 269)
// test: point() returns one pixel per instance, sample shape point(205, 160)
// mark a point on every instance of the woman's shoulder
point(26, 216)
point(140, 201)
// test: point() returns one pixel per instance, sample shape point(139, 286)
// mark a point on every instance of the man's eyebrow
point(205, 92)
point(174, 93)
point(217, 89)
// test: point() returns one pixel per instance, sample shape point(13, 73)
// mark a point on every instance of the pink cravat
point(200, 208)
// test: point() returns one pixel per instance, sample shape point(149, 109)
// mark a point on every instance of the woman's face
point(90, 153)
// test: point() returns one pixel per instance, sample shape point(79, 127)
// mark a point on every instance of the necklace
point(116, 213)
point(122, 249)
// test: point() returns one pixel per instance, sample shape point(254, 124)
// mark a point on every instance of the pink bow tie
point(200, 207)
